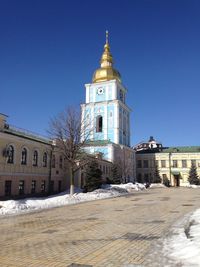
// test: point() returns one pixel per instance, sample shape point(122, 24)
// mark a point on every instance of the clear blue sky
point(50, 49)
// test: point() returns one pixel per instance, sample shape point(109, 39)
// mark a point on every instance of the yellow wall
point(184, 172)
point(16, 171)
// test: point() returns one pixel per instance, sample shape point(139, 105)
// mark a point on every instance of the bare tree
point(125, 167)
point(71, 133)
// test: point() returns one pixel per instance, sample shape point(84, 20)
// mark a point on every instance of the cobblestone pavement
point(111, 232)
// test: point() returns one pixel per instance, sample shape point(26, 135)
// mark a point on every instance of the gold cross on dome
point(106, 37)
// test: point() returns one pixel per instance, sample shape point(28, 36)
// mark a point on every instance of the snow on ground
point(32, 204)
point(183, 246)
point(129, 186)
point(157, 186)
point(192, 186)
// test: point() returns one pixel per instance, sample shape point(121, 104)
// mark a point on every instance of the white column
point(93, 120)
point(116, 123)
point(105, 122)
point(87, 96)
point(94, 93)
point(114, 91)
point(107, 92)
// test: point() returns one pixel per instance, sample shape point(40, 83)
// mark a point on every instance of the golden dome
point(106, 72)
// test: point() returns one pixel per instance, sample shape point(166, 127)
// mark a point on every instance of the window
point(10, 154)
point(45, 159)
point(99, 124)
point(43, 186)
point(184, 163)
point(175, 163)
point(193, 162)
point(139, 164)
point(21, 187)
point(163, 163)
point(35, 158)
point(121, 95)
point(24, 156)
point(8, 186)
point(53, 161)
point(33, 186)
point(156, 163)
point(146, 163)
point(60, 162)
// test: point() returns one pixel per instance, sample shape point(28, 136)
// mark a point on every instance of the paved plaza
point(110, 232)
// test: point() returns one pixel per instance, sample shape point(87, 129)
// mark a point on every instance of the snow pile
point(190, 185)
point(193, 186)
point(157, 186)
point(32, 204)
point(183, 247)
point(129, 186)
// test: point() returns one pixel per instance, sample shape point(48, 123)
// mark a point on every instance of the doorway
point(176, 180)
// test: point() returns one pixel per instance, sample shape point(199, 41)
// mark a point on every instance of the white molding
point(106, 121)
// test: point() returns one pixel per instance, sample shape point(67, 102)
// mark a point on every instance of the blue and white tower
point(106, 111)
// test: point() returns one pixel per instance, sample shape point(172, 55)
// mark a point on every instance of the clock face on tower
point(100, 90)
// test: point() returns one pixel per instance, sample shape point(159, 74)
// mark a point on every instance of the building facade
point(28, 164)
point(106, 113)
point(173, 163)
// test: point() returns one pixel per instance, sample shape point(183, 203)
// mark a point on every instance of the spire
point(106, 71)
point(106, 58)
point(106, 37)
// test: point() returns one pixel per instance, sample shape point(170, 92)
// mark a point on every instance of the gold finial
point(106, 37)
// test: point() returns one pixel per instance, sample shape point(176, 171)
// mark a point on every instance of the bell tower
point(108, 116)
point(105, 103)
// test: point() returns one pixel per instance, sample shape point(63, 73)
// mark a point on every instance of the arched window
point(10, 152)
point(35, 158)
point(99, 124)
point(24, 156)
point(53, 161)
point(61, 162)
point(45, 159)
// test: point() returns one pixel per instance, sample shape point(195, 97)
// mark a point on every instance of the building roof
point(181, 149)
point(178, 149)
point(98, 143)
point(26, 134)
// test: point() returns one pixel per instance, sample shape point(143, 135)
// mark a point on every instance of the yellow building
point(28, 165)
point(173, 163)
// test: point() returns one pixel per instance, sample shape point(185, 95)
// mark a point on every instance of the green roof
point(181, 149)
point(98, 143)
